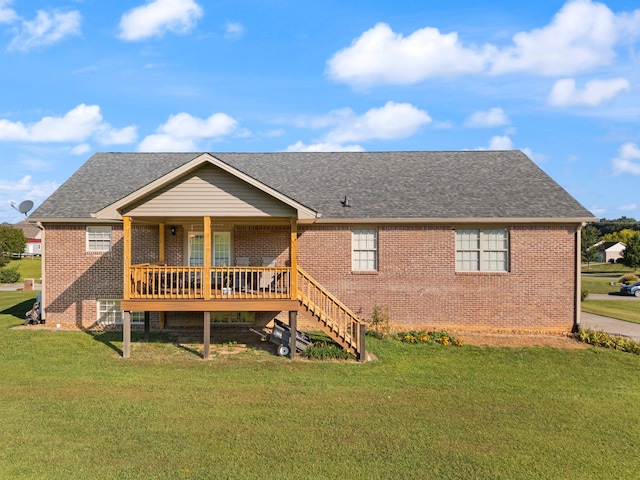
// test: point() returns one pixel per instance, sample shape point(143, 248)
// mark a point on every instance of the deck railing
point(150, 281)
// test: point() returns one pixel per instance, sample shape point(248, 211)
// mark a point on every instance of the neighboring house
point(610, 251)
point(34, 238)
point(444, 240)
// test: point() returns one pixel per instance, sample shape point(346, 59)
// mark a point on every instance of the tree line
point(623, 229)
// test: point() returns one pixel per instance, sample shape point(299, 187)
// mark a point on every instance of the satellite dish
point(25, 206)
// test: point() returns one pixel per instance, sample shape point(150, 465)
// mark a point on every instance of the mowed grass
point(600, 285)
point(70, 407)
point(627, 310)
point(28, 267)
point(607, 268)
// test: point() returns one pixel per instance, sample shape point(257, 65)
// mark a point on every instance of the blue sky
point(559, 81)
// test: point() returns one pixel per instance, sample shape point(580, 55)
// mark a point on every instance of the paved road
point(611, 325)
point(12, 287)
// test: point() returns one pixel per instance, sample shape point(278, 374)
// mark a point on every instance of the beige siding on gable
point(213, 192)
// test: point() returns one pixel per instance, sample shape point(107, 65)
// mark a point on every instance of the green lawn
point(599, 284)
point(28, 267)
point(70, 407)
point(607, 268)
point(628, 310)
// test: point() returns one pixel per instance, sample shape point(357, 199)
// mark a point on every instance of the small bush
point(628, 279)
point(605, 340)
point(584, 294)
point(9, 275)
point(325, 351)
point(379, 326)
point(422, 336)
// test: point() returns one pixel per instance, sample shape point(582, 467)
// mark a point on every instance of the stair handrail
point(353, 334)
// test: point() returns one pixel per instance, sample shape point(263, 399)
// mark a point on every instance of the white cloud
point(77, 125)
point(81, 149)
point(7, 15)
point(494, 117)
point(46, 29)
point(583, 35)
point(159, 16)
point(536, 157)
point(394, 120)
point(595, 92)
point(381, 56)
point(182, 132)
point(500, 143)
point(629, 207)
point(628, 160)
point(12, 190)
point(323, 147)
point(233, 30)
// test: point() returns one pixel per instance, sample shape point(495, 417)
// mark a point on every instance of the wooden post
point(293, 251)
point(146, 326)
point(163, 320)
point(362, 351)
point(161, 243)
point(126, 227)
point(126, 334)
point(207, 334)
point(293, 325)
point(206, 281)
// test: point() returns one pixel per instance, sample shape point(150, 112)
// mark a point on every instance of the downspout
point(43, 290)
point(578, 279)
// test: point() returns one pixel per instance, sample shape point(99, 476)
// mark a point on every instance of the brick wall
point(417, 283)
point(416, 280)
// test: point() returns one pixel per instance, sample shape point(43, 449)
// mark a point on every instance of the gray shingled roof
point(469, 184)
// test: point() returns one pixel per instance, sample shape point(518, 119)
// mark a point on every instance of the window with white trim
point(364, 249)
point(109, 313)
point(220, 253)
point(98, 239)
point(482, 250)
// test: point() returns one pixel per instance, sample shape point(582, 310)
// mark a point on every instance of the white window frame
point(482, 249)
point(364, 249)
point(109, 313)
point(98, 238)
point(216, 238)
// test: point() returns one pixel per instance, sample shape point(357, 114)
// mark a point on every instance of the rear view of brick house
point(465, 241)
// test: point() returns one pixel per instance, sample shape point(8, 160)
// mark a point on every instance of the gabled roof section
point(115, 210)
point(467, 186)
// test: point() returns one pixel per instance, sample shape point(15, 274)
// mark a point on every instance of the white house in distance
point(610, 251)
point(34, 238)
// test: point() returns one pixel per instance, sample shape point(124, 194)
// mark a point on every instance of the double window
point(109, 313)
point(364, 249)
point(221, 252)
point(482, 250)
point(98, 239)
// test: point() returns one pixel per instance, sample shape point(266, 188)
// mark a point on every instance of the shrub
point(379, 326)
point(422, 336)
point(9, 275)
point(628, 279)
point(605, 340)
point(325, 351)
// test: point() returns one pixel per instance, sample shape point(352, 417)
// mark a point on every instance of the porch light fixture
point(173, 230)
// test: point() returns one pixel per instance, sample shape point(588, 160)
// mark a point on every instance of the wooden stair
point(334, 318)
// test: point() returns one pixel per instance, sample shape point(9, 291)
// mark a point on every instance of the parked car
point(633, 289)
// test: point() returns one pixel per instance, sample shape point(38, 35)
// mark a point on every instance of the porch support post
point(146, 325)
point(294, 259)
point(293, 325)
point(126, 227)
point(362, 335)
point(207, 334)
point(578, 281)
point(161, 244)
point(206, 281)
point(126, 334)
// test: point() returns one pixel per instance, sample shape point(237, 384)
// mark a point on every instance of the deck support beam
point(126, 334)
point(147, 325)
point(126, 240)
point(293, 325)
point(293, 253)
point(207, 334)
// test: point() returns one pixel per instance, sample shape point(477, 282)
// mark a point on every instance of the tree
point(631, 254)
point(620, 236)
point(589, 239)
point(12, 242)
